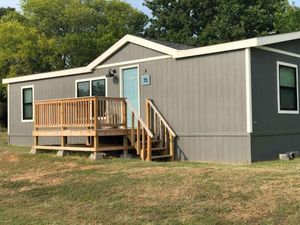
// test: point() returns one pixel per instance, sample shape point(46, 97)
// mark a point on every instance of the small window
point(98, 87)
point(27, 103)
point(83, 89)
point(288, 88)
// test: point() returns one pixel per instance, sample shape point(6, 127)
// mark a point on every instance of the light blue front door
point(131, 90)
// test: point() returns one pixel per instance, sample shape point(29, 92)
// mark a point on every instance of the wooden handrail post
point(147, 109)
point(124, 114)
point(132, 129)
point(138, 136)
point(172, 147)
point(149, 152)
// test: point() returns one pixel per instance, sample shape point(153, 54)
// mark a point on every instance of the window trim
point(278, 88)
point(33, 111)
point(90, 82)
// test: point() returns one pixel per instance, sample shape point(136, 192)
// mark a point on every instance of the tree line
point(49, 35)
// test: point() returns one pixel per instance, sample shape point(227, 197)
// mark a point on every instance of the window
point(287, 78)
point(91, 87)
point(83, 89)
point(27, 104)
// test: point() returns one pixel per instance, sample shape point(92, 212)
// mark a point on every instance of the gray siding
point(272, 132)
point(203, 99)
point(132, 52)
point(290, 46)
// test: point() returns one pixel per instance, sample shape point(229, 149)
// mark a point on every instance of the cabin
point(235, 102)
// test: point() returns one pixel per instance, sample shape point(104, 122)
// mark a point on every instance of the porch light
point(111, 73)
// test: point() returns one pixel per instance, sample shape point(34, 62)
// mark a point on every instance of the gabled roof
point(175, 52)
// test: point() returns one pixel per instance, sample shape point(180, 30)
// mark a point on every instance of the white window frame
point(138, 77)
point(33, 111)
point(278, 88)
point(90, 82)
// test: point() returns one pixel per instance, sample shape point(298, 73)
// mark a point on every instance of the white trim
point(90, 83)
point(135, 40)
point(8, 110)
point(248, 43)
point(279, 51)
point(138, 77)
point(22, 88)
point(248, 90)
point(41, 76)
point(278, 88)
point(235, 45)
point(134, 61)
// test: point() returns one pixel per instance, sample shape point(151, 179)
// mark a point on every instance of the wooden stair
point(153, 139)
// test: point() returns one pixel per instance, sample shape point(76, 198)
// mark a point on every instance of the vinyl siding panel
point(203, 99)
point(131, 52)
point(273, 133)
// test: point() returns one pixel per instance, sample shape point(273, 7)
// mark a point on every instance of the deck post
point(124, 114)
point(172, 147)
point(149, 152)
point(149, 142)
point(96, 139)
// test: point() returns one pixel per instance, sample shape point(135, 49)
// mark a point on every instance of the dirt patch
point(12, 158)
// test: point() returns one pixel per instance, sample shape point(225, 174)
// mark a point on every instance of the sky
point(135, 3)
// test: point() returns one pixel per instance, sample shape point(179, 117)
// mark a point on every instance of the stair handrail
point(161, 117)
point(139, 119)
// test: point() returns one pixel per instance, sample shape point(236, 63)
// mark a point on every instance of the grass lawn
point(45, 189)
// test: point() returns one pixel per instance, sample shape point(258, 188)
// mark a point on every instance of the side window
point(27, 103)
point(288, 88)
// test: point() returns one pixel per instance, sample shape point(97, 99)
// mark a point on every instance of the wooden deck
point(100, 117)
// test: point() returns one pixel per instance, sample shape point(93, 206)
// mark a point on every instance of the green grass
point(45, 189)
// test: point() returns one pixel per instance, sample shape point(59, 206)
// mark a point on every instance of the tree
point(203, 22)
point(5, 11)
point(83, 29)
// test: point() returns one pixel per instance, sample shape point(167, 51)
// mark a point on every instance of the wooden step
point(159, 149)
point(161, 157)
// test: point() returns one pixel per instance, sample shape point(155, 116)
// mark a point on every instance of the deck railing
point(91, 112)
point(161, 129)
point(142, 139)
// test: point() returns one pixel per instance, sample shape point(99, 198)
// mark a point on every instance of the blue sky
point(136, 3)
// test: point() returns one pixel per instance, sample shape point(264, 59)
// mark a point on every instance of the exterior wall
point(289, 46)
point(273, 133)
point(131, 52)
point(203, 98)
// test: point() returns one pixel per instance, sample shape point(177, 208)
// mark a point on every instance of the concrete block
point(61, 153)
point(33, 151)
point(97, 156)
point(285, 156)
